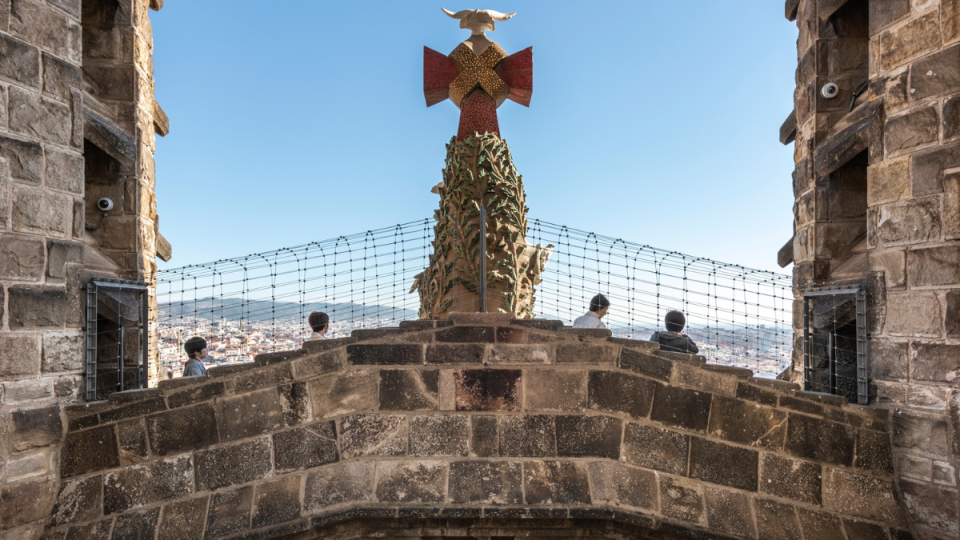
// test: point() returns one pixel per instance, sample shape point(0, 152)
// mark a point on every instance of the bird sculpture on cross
point(478, 76)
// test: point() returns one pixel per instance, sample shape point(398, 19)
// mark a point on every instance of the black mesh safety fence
point(259, 303)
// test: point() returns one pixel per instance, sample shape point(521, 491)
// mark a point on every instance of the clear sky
point(300, 120)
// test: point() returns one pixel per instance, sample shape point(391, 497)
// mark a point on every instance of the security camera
point(105, 204)
point(830, 90)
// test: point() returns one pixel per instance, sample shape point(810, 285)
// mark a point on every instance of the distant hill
point(233, 309)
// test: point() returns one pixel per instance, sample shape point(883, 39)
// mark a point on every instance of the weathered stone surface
point(820, 440)
point(527, 436)
point(59, 76)
point(254, 379)
point(556, 482)
point(485, 441)
point(898, 46)
point(723, 464)
point(859, 495)
point(587, 353)
point(620, 393)
point(926, 433)
point(934, 362)
point(951, 116)
point(648, 365)
point(489, 389)
point(99, 530)
point(888, 181)
point(277, 501)
point(19, 355)
point(656, 448)
point(78, 501)
point(232, 464)
point(520, 354)
point(182, 430)
point(952, 320)
point(439, 435)
point(622, 485)
point(195, 394)
point(34, 428)
point(681, 498)
point(373, 435)
point(888, 360)
point(934, 266)
point(909, 222)
point(680, 407)
point(790, 479)
point(776, 521)
point(485, 482)
point(26, 501)
point(19, 61)
point(466, 334)
point(555, 390)
point(351, 481)
point(385, 354)
point(140, 485)
point(62, 351)
point(913, 314)
point(307, 447)
point(21, 257)
point(926, 169)
point(411, 481)
point(459, 353)
point(729, 512)
point(408, 390)
point(183, 519)
point(88, 451)
point(24, 160)
point(33, 116)
point(951, 203)
point(747, 423)
point(229, 511)
point(46, 27)
point(249, 414)
point(132, 436)
point(819, 524)
point(344, 393)
point(36, 306)
point(588, 436)
point(931, 505)
point(137, 525)
point(936, 74)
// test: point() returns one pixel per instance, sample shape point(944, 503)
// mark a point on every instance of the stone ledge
point(321, 345)
point(596, 333)
point(481, 319)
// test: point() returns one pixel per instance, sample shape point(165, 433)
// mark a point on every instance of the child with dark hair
point(196, 349)
point(672, 340)
point(591, 319)
point(319, 322)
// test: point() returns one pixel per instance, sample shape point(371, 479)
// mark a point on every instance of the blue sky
point(301, 120)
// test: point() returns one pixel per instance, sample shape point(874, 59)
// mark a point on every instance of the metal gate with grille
point(117, 337)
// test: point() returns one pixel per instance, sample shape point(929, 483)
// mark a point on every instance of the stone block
point(385, 354)
point(776, 521)
point(439, 435)
point(195, 394)
point(312, 364)
point(183, 519)
point(455, 353)
point(485, 440)
point(411, 481)
point(934, 362)
point(19, 355)
point(944, 473)
point(277, 501)
point(936, 74)
point(892, 263)
point(489, 389)
point(28, 390)
point(951, 117)
point(520, 354)
point(747, 423)
point(306, 447)
point(862, 496)
point(344, 392)
point(587, 353)
point(926, 433)
point(914, 129)
point(255, 379)
point(927, 169)
point(447, 390)
point(656, 448)
point(647, 365)
point(36, 428)
point(588, 436)
point(132, 436)
point(465, 334)
point(861, 530)
point(934, 266)
point(26, 465)
point(819, 524)
point(19, 61)
point(723, 464)
point(229, 512)
point(249, 415)
point(351, 481)
point(933, 506)
point(24, 158)
point(914, 314)
point(408, 390)
point(882, 14)
point(617, 484)
point(132, 409)
point(373, 435)
point(47, 28)
point(182, 430)
point(888, 181)
point(951, 204)
point(556, 482)
point(485, 482)
point(728, 512)
point(527, 436)
point(36, 306)
point(900, 45)
point(682, 408)
point(99, 530)
point(137, 525)
point(140, 485)
point(78, 501)
point(620, 393)
point(681, 498)
point(820, 440)
point(59, 76)
point(33, 116)
point(60, 254)
point(26, 501)
point(555, 390)
point(790, 479)
point(88, 451)
point(232, 464)
point(62, 351)
point(888, 359)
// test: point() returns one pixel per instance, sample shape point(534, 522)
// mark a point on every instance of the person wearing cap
point(319, 322)
point(672, 339)
point(591, 319)
point(196, 349)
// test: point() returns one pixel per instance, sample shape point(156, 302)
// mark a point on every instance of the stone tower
point(876, 125)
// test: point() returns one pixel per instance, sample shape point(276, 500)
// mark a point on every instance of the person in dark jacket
point(196, 349)
point(672, 340)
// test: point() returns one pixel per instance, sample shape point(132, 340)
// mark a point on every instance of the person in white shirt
point(598, 308)
point(320, 323)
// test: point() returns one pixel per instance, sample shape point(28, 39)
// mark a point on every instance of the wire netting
point(260, 302)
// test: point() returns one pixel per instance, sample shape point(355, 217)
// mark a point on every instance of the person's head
point(196, 348)
point(318, 322)
point(599, 305)
point(675, 321)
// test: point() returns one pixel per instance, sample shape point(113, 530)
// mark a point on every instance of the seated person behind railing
point(196, 349)
point(320, 323)
point(672, 340)
point(591, 319)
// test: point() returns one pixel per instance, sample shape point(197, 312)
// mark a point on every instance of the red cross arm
point(517, 71)
point(438, 73)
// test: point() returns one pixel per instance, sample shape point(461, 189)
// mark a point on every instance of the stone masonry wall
point(479, 425)
point(904, 134)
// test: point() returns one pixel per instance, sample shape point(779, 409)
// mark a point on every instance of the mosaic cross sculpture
point(478, 76)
